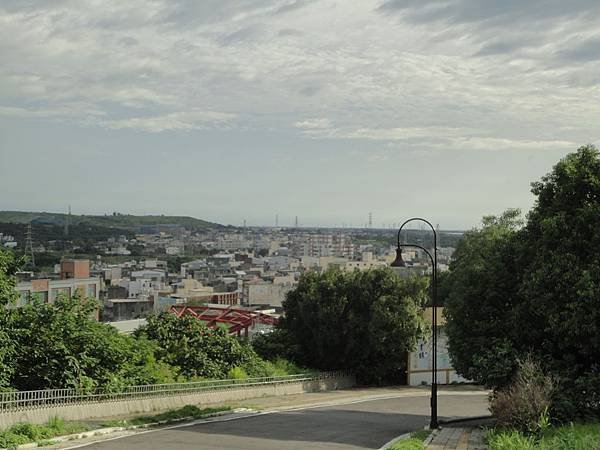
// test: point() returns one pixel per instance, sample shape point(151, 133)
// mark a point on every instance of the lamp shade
point(398, 262)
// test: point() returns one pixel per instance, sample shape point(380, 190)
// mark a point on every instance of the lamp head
point(398, 262)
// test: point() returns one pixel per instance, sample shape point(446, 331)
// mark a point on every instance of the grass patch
point(408, 444)
point(421, 434)
point(568, 437)
point(23, 433)
point(188, 411)
point(415, 442)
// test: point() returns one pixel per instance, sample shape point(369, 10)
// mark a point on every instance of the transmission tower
point(29, 245)
point(68, 222)
point(370, 220)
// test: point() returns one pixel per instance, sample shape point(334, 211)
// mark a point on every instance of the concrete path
point(458, 439)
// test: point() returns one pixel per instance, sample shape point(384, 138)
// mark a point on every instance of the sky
point(233, 110)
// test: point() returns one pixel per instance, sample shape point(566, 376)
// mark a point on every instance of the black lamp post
point(399, 262)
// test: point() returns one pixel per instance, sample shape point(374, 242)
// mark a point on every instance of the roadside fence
point(48, 398)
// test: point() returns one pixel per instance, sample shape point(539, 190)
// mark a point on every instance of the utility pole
point(68, 222)
point(29, 245)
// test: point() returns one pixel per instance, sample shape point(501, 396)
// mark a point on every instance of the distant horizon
point(249, 225)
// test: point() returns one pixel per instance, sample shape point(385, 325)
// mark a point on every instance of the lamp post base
point(434, 425)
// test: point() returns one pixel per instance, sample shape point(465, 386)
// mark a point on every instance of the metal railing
point(26, 400)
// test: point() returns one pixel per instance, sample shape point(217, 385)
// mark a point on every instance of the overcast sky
point(325, 110)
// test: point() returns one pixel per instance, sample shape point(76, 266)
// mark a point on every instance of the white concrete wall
point(116, 408)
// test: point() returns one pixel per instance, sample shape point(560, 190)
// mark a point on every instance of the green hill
point(124, 221)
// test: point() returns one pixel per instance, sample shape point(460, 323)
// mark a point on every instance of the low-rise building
point(420, 362)
point(118, 309)
point(74, 277)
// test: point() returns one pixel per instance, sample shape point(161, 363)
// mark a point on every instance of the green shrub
point(510, 440)
point(196, 350)
point(237, 373)
point(283, 367)
point(22, 433)
point(524, 405)
point(9, 439)
point(33, 431)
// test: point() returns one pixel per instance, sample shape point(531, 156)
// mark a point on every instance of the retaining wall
point(116, 408)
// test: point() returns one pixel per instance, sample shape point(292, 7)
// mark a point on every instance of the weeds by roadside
point(188, 411)
point(415, 442)
point(23, 433)
point(567, 437)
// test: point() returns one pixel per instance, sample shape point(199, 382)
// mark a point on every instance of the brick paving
point(458, 439)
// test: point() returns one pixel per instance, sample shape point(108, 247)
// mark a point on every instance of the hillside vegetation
point(124, 221)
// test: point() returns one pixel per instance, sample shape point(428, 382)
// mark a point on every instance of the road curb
point(465, 420)
point(110, 430)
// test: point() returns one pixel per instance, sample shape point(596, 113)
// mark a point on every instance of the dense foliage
point(197, 351)
point(9, 265)
point(61, 345)
point(480, 294)
point(365, 321)
point(536, 289)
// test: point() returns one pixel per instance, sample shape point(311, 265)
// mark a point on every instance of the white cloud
point(336, 71)
point(313, 124)
point(66, 111)
point(177, 121)
point(487, 143)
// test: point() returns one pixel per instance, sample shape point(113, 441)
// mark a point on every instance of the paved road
point(356, 424)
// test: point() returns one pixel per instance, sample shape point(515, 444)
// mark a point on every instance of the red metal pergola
point(237, 319)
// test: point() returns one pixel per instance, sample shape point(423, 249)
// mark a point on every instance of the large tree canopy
point(535, 290)
point(363, 320)
point(481, 285)
point(61, 345)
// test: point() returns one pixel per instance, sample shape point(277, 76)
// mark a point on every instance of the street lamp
point(399, 262)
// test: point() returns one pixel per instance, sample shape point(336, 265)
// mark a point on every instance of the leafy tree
point(9, 265)
point(560, 290)
point(136, 249)
point(196, 350)
point(536, 290)
point(363, 320)
point(61, 345)
point(481, 290)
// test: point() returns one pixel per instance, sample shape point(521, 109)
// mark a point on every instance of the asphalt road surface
point(355, 424)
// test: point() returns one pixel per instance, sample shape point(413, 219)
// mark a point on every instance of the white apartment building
point(318, 245)
point(232, 241)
